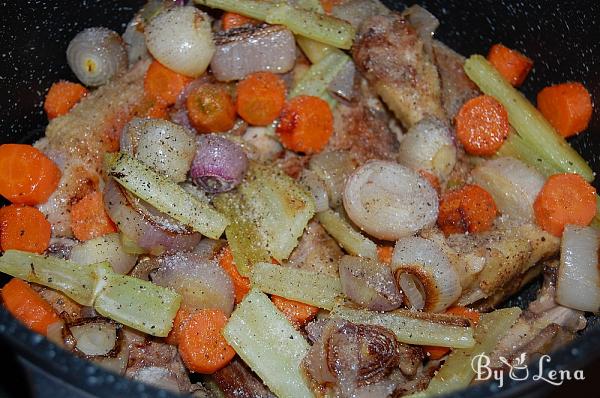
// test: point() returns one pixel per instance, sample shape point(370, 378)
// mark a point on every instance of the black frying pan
point(563, 38)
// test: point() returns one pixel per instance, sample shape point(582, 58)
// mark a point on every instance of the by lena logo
point(517, 370)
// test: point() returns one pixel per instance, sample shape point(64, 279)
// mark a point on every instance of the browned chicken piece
point(390, 54)
point(316, 251)
point(237, 381)
point(78, 140)
point(457, 88)
point(364, 127)
point(543, 327)
point(66, 308)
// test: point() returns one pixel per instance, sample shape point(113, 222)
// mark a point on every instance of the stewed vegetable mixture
point(306, 198)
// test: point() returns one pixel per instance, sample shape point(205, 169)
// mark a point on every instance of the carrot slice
point(28, 306)
point(431, 179)
point(63, 96)
point(231, 20)
point(384, 254)
point(241, 284)
point(181, 317)
point(564, 199)
point(466, 209)
point(24, 228)
point(28, 176)
point(511, 64)
point(89, 219)
point(568, 107)
point(260, 98)
point(305, 124)
point(329, 4)
point(158, 110)
point(299, 314)
point(482, 125)
point(201, 344)
point(211, 109)
point(163, 84)
point(434, 352)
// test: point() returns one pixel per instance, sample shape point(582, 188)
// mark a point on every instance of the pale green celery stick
point(296, 284)
point(518, 148)
point(269, 344)
point(412, 327)
point(76, 281)
point(319, 27)
point(346, 236)
point(165, 195)
point(250, 8)
point(136, 303)
point(529, 123)
point(315, 51)
point(457, 372)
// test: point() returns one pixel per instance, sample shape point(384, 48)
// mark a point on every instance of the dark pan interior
point(561, 38)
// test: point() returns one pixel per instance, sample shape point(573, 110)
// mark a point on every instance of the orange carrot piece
point(201, 343)
point(434, 352)
point(299, 314)
point(305, 124)
point(431, 179)
point(466, 209)
point(260, 98)
point(28, 306)
point(163, 84)
point(241, 284)
point(511, 64)
point(482, 125)
point(568, 107)
point(28, 176)
point(63, 96)
point(158, 110)
point(24, 228)
point(329, 4)
point(89, 219)
point(181, 318)
point(384, 254)
point(231, 20)
point(564, 199)
point(211, 109)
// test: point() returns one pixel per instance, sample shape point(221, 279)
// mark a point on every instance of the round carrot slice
point(482, 125)
point(568, 107)
point(466, 209)
point(24, 228)
point(260, 97)
point(163, 84)
point(211, 109)
point(63, 96)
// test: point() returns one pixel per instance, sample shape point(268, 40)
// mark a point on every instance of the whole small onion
point(181, 39)
point(95, 55)
point(219, 164)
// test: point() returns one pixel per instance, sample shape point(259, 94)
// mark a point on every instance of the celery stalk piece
point(518, 148)
point(165, 195)
point(315, 51)
point(412, 327)
point(250, 8)
point(136, 303)
point(296, 284)
point(269, 344)
point(346, 236)
point(457, 373)
point(526, 119)
point(76, 281)
point(318, 77)
point(319, 27)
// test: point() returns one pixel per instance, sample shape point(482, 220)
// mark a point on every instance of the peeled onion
point(513, 185)
point(104, 248)
point(427, 278)
point(389, 201)
point(145, 226)
point(181, 39)
point(162, 145)
point(96, 55)
point(201, 282)
point(95, 337)
point(317, 189)
point(333, 168)
point(578, 283)
point(428, 146)
point(261, 144)
point(369, 283)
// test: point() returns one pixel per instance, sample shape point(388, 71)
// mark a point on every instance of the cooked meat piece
point(316, 251)
point(457, 88)
point(364, 127)
point(66, 308)
point(292, 163)
point(392, 57)
point(237, 381)
point(61, 247)
point(78, 140)
point(544, 326)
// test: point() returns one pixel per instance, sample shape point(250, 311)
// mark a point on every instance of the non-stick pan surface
point(562, 37)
